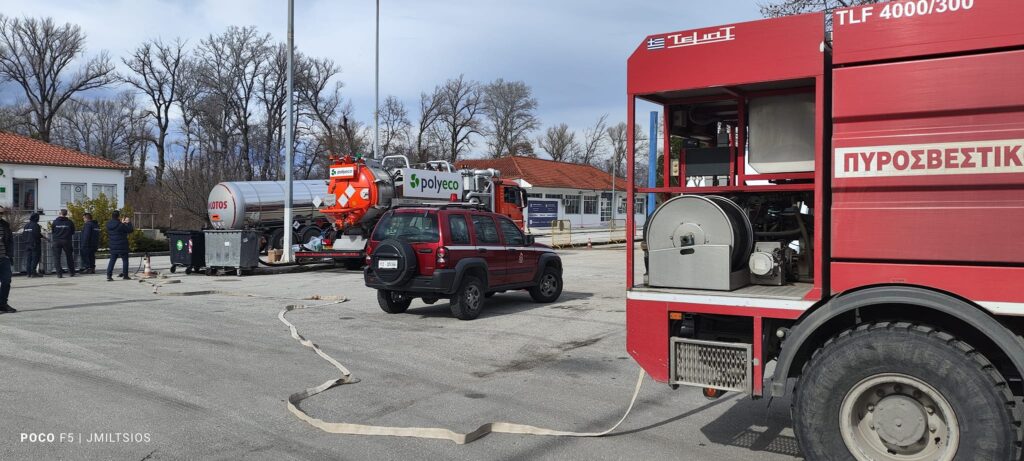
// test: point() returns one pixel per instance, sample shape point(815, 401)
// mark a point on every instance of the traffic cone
point(147, 272)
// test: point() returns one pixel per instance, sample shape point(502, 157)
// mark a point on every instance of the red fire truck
point(841, 219)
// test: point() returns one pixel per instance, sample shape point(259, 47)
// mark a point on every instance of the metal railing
point(561, 233)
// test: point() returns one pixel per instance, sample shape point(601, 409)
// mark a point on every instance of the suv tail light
point(369, 258)
point(441, 254)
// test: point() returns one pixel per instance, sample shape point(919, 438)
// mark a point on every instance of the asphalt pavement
point(200, 368)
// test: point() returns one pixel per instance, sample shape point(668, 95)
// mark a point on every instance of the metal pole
point(615, 165)
point(290, 143)
point(376, 88)
point(652, 162)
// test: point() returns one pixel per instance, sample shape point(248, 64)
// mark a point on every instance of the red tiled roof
point(548, 173)
point(28, 151)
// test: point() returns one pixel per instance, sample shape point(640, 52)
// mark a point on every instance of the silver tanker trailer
point(259, 205)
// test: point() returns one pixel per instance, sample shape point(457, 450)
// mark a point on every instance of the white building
point(582, 193)
point(42, 177)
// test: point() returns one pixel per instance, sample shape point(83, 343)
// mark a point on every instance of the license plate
point(387, 264)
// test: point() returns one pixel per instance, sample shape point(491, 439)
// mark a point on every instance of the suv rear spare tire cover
point(405, 262)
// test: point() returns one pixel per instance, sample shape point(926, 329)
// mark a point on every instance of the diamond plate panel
point(719, 365)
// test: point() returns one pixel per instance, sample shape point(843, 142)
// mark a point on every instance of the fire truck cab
point(839, 218)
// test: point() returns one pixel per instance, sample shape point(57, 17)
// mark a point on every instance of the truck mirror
point(530, 240)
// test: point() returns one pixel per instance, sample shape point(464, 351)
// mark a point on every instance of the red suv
point(456, 252)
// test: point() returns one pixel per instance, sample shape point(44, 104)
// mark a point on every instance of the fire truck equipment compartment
point(782, 133)
point(699, 242)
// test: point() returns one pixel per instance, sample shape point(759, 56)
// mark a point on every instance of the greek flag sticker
point(656, 43)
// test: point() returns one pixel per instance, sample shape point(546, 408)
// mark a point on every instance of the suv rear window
point(410, 227)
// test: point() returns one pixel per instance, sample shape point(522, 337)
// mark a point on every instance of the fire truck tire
point(393, 302)
point(549, 288)
point(468, 301)
point(891, 391)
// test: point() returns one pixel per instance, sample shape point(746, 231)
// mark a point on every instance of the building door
point(25, 194)
point(606, 207)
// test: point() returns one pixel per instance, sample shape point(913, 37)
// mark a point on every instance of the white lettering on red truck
point(898, 10)
point(980, 157)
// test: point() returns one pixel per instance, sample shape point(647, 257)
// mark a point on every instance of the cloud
point(571, 52)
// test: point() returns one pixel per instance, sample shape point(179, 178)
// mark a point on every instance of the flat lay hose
point(418, 432)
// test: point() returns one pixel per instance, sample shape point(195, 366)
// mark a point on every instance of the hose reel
point(699, 241)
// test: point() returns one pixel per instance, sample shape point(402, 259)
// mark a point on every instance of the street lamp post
point(290, 143)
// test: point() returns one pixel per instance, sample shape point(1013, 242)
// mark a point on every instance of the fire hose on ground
point(417, 432)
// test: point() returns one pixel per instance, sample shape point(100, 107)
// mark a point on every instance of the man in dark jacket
point(33, 236)
point(62, 234)
point(117, 239)
point(90, 241)
point(6, 255)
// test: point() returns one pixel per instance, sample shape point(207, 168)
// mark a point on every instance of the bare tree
point(272, 93)
point(321, 100)
point(618, 141)
point(16, 118)
point(232, 63)
point(35, 54)
point(593, 142)
point(395, 126)
point(510, 110)
point(560, 143)
point(459, 120)
point(430, 111)
point(781, 8)
point(156, 72)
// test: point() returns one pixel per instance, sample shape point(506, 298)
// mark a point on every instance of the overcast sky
point(571, 52)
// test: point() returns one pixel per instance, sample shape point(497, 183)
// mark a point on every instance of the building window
point(534, 195)
point(571, 204)
point(554, 196)
point(640, 205)
point(72, 193)
point(621, 209)
point(109, 190)
point(590, 204)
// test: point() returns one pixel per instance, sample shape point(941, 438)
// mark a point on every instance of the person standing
point(63, 234)
point(6, 255)
point(117, 239)
point(89, 241)
point(33, 235)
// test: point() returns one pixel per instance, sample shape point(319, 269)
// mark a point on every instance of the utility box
point(187, 249)
point(232, 249)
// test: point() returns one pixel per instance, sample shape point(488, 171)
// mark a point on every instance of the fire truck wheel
point(898, 391)
point(393, 302)
point(469, 300)
point(549, 288)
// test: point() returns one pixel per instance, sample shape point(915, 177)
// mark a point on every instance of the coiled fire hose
point(418, 432)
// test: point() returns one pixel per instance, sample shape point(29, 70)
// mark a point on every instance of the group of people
point(61, 235)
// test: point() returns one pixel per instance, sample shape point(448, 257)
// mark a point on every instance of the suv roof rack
point(442, 205)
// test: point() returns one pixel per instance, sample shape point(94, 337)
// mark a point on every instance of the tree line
point(186, 115)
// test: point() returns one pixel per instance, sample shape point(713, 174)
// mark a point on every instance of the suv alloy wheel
point(469, 299)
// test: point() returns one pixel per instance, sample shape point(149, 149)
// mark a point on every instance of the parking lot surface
point(203, 368)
